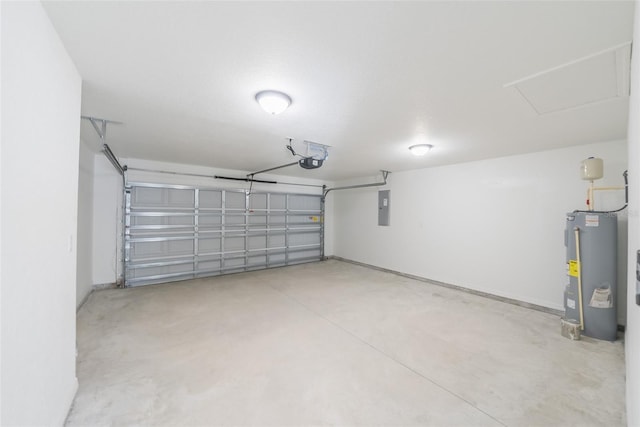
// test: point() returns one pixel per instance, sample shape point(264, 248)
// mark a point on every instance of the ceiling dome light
point(420, 149)
point(272, 101)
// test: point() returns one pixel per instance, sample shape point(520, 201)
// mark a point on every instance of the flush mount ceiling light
point(272, 101)
point(420, 149)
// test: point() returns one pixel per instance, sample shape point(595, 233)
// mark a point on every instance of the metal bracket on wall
point(100, 125)
point(100, 130)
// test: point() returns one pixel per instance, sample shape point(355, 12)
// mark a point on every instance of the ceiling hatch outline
point(592, 79)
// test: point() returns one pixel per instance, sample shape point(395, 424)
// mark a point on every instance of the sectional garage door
point(179, 232)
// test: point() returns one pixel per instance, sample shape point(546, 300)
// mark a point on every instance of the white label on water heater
point(571, 303)
point(591, 220)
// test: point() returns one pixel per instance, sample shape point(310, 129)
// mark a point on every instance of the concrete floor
point(334, 343)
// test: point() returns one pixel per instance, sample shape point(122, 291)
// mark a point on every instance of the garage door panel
point(277, 259)
point(162, 197)
point(258, 219)
point(209, 220)
point(180, 247)
point(277, 241)
point(142, 196)
point(234, 244)
point(209, 245)
point(180, 220)
point(278, 201)
point(304, 239)
point(180, 198)
point(234, 218)
point(234, 262)
point(148, 220)
point(257, 242)
point(235, 200)
point(209, 265)
point(258, 201)
point(303, 255)
point(277, 220)
point(177, 232)
point(210, 199)
point(142, 250)
point(304, 203)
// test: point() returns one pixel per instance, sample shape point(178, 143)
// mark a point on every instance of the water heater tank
point(591, 169)
point(595, 269)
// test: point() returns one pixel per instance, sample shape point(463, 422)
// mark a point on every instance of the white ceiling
point(369, 79)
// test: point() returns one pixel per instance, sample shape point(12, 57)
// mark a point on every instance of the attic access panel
point(180, 232)
point(595, 78)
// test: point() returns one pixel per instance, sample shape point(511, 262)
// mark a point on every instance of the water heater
point(590, 292)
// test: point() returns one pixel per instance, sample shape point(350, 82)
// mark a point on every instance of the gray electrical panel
point(591, 242)
point(383, 207)
point(638, 277)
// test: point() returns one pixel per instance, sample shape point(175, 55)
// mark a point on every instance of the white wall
point(107, 261)
point(632, 335)
point(84, 269)
point(329, 224)
point(40, 140)
point(495, 226)
point(107, 208)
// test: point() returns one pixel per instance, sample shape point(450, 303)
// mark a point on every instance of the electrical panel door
point(383, 207)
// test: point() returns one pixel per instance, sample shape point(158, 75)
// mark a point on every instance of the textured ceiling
point(369, 79)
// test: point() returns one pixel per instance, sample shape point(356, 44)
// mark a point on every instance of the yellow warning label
point(574, 268)
point(314, 218)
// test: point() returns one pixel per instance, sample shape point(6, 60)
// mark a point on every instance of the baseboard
point(456, 287)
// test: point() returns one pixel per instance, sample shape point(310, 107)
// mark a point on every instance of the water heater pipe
point(590, 201)
point(577, 233)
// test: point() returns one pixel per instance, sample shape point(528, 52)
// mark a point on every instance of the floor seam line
point(409, 368)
